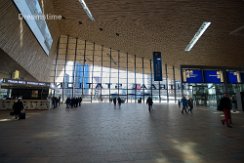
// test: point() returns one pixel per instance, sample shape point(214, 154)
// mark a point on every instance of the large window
point(98, 74)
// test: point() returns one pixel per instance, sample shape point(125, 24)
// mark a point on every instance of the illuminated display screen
point(213, 76)
point(233, 77)
point(192, 76)
point(23, 82)
point(31, 12)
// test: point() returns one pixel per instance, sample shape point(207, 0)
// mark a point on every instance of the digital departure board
point(233, 77)
point(192, 76)
point(213, 76)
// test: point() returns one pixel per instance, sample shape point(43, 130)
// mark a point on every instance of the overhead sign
point(213, 76)
point(233, 77)
point(157, 66)
point(23, 82)
point(71, 85)
point(192, 76)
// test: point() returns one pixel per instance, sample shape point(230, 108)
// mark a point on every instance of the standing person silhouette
point(149, 103)
point(18, 107)
point(114, 101)
point(184, 105)
point(190, 104)
point(119, 101)
point(225, 105)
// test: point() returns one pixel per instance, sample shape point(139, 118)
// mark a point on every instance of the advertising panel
point(157, 66)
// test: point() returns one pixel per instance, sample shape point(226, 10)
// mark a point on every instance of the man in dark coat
point(17, 107)
point(190, 104)
point(114, 101)
point(119, 101)
point(225, 106)
point(149, 102)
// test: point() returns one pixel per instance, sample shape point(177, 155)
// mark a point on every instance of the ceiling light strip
point(197, 36)
point(88, 12)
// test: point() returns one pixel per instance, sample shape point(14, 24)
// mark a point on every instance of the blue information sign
point(213, 76)
point(233, 77)
point(157, 66)
point(192, 76)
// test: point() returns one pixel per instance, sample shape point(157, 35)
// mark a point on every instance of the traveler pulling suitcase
point(22, 116)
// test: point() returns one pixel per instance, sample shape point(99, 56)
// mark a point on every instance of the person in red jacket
point(225, 105)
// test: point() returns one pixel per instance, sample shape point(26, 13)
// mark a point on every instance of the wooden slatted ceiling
point(160, 25)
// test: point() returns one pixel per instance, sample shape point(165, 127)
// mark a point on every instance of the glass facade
point(98, 74)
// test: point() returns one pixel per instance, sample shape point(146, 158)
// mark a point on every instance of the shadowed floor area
point(99, 133)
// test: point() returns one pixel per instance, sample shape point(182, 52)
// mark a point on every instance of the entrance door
point(200, 94)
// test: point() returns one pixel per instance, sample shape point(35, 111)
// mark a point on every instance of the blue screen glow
point(192, 76)
point(213, 76)
point(233, 77)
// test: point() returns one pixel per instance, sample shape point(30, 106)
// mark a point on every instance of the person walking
point(114, 101)
point(67, 102)
point(17, 108)
point(190, 104)
point(149, 103)
point(184, 105)
point(225, 105)
point(119, 101)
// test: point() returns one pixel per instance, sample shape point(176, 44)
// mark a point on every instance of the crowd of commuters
point(73, 102)
point(226, 104)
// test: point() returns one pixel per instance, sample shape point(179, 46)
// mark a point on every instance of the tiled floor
point(100, 133)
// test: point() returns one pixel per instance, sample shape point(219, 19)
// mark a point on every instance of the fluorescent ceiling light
point(198, 34)
point(88, 12)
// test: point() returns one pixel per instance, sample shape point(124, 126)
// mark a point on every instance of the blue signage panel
point(213, 76)
point(157, 66)
point(233, 77)
point(192, 76)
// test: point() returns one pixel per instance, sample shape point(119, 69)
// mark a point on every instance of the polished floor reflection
point(101, 133)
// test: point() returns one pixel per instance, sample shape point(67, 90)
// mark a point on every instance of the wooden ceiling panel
point(140, 27)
